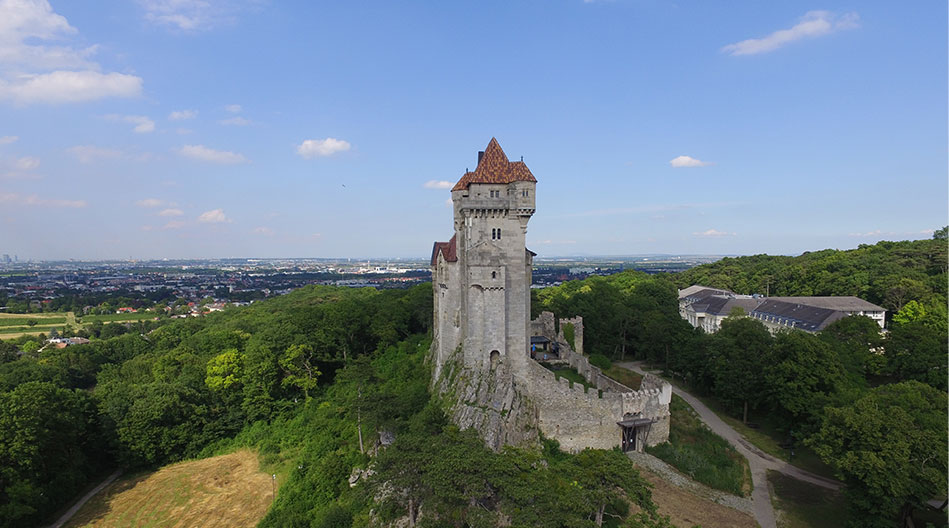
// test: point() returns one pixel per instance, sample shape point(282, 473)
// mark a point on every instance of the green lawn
point(696, 451)
point(22, 321)
point(569, 373)
point(804, 505)
point(627, 377)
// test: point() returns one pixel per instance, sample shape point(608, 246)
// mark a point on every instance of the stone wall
point(577, 323)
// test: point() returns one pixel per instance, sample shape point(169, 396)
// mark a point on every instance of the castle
point(481, 344)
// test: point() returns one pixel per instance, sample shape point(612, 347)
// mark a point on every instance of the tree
point(299, 367)
point(741, 351)
point(941, 234)
point(890, 449)
point(804, 377)
point(606, 476)
point(225, 370)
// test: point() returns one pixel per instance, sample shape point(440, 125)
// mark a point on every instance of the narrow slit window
point(499, 233)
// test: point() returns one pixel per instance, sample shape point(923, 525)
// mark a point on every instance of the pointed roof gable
point(448, 249)
point(494, 167)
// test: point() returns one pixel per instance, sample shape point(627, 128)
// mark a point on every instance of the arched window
point(494, 274)
point(499, 233)
point(495, 359)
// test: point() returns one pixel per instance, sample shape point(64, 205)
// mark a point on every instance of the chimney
point(480, 155)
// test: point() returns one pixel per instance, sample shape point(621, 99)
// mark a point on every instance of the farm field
point(16, 325)
point(223, 491)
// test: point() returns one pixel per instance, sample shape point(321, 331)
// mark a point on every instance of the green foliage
point(738, 354)
point(599, 360)
point(299, 367)
point(569, 333)
point(225, 370)
point(888, 273)
point(890, 448)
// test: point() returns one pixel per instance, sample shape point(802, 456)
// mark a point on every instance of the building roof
point(844, 304)
point(494, 167)
point(797, 315)
point(700, 293)
point(448, 249)
point(724, 304)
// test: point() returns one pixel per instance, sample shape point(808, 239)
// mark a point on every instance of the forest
point(324, 379)
point(872, 406)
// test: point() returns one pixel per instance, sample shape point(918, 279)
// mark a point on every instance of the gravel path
point(758, 461)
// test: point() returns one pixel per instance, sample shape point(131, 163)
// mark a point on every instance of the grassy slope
point(223, 491)
point(801, 505)
point(698, 452)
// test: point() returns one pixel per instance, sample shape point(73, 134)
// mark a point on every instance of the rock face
point(492, 404)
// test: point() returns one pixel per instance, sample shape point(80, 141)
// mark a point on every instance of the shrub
point(599, 360)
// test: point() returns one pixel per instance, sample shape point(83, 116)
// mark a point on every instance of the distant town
point(122, 286)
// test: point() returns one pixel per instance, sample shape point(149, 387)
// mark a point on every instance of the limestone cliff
point(490, 402)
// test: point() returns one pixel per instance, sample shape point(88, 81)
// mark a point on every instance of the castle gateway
point(481, 345)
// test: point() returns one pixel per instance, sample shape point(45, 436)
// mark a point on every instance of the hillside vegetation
point(889, 274)
point(858, 399)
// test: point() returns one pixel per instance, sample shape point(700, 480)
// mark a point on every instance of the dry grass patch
point(686, 509)
point(223, 491)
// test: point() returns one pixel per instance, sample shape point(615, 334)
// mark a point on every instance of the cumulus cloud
point(171, 212)
point(142, 123)
point(202, 153)
point(266, 231)
point(687, 161)
point(235, 121)
point(6, 140)
point(438, 184)
point(27, 163)
point(713, 233)
point(38, 65)
point(69, 87)
point(812, 24)
point(34, 200)
point(150, 202)
point(181, 115)
point(214, 216)
point(91, 153)
point(312, 148)
point(233, 108)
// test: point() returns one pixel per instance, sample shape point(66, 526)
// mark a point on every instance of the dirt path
point(758, 461)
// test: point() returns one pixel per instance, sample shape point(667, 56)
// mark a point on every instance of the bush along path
point(758, 462)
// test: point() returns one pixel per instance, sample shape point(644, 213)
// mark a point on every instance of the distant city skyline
point(252, 128)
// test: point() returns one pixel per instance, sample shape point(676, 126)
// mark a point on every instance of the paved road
point(72, 511)
point(758, 461)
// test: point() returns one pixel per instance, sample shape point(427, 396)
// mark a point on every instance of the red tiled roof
point(448, 249)
point(494, 167)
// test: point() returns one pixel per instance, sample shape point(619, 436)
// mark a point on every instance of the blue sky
point(229, 128)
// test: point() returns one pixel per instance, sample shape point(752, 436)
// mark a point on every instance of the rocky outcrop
point(489, 401)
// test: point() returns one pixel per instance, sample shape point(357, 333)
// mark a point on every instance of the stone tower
point(490, 266)
point(481, 334)
point(482, 277)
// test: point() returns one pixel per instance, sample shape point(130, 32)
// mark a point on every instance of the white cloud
point(312, 148)
point(214, 216)
point(181, 115)
point(233, 108)
point(150, 202)
point(438, 184)
point(235, 121)
point(91, 153)
point(713, 233)
point(142, 123)
point(34, 71)
point(6, 140)
point(812, 24)
point(687, 161)
point(27, 163)
point(174, 224)
point(202, 153)
point(194, 15)
point(34, 200)
point(171, 212)
point(266, 231)
point(69, 87)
